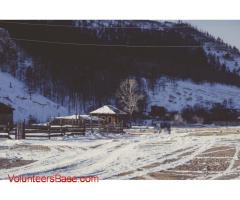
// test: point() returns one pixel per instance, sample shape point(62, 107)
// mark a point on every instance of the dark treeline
point(222, 112)
point(97, 70)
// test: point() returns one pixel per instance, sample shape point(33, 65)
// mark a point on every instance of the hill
point(80, 64)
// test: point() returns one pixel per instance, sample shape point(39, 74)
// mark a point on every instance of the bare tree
point(129, 95)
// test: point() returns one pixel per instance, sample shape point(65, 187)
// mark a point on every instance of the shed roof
point(108, 109)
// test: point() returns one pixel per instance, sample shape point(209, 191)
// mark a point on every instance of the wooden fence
point(22, 131)
point(111, 128)
point(5, 131)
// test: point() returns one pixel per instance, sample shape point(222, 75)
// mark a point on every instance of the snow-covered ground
point(13, 92)
point(177, 94)
point(188, 153)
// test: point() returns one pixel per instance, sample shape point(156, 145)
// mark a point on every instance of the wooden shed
point(6, 114)
point(110, 115)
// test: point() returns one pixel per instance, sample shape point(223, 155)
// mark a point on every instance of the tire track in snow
point(109, 156)
point(55, 160)
point(229, 170)
point(174, 164)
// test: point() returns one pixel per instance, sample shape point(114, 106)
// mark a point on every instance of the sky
point(228, 30)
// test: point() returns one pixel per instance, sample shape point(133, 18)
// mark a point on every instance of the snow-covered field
point(188, 153)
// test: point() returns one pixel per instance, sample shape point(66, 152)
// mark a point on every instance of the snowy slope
point(230, 56)
point(177, 94)
point(13, 92)
point(232, 61)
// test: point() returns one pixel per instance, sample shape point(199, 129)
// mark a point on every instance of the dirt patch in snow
point(140, 178)
point(220, 148)
point(125, 173)
point(236, 164)
point(167, 175)
point(217, 132)
point(24, 147)
point(202, 164)
point(10, 163)
point(219, 152)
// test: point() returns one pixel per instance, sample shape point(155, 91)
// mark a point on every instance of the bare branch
point(129, 96)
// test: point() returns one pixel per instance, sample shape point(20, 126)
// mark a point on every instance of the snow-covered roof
point(108, 109)
point(88, 117)
point(85, 117)
point(67, 117)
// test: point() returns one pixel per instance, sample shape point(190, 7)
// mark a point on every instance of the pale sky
point(228, 30)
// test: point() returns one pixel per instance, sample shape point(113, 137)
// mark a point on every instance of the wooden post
point(20, 131)
point(122, 126)
point(16, 132)
point(23, 130)
point(8, 131)
point(49, 131)
point(61, 129)
point(91, 125)
point(84, 127)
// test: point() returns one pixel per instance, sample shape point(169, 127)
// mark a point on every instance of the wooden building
point(74, 120)
point(110, 115)
point(6, 114)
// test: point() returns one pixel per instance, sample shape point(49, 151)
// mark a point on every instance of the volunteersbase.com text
point(57, 178)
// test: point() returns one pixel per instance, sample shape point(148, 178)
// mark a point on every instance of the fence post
point(61, 129)
point(16, 132)
point(8, 130)
point(23, 130)
point(20, 131)
point(84, 127)
point(91, 125)
point(49, 131)
point(107, 128)
point(121, 126)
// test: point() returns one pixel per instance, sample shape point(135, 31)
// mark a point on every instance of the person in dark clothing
point(167, 126)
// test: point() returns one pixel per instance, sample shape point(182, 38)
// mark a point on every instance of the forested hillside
point(80, 64)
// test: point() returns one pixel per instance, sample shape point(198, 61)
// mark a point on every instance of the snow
point(177, 94)
point(144, 25)
point(107, 109)
point(110, 155)
point(86, 117)
point(232, 64)
point(68, 117)
point(13, 92)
